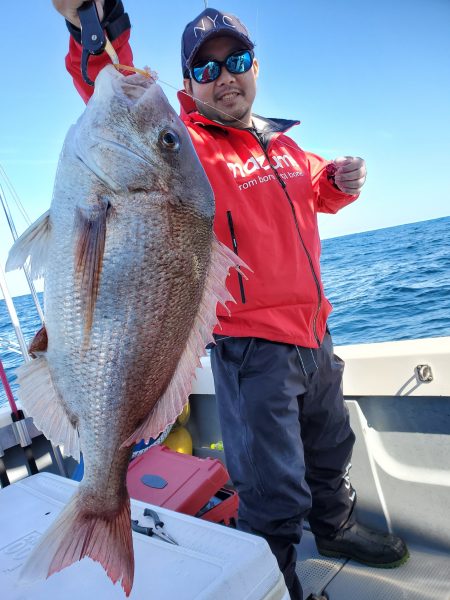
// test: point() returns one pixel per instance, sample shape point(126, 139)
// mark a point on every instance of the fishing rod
point(18, 418)
point(4, 479)
point(26, 271)
point(13, 315)
point(8, 391)
point(20, 429)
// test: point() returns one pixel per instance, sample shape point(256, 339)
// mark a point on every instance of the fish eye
point(169, 139)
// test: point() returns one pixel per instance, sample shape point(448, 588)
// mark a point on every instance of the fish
point(133, 273)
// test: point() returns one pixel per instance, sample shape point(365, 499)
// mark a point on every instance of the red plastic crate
point(183, 483)
point(222, 508)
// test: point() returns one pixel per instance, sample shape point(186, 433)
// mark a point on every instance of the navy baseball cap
point(210, 23)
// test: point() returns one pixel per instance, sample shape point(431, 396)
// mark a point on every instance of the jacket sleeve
point(329, 199)
point(116, 24)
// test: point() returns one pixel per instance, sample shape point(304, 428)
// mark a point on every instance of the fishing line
point(329, 163)
point(215, 109)
point(296, 148)
point(147, 73)
point(14, 195)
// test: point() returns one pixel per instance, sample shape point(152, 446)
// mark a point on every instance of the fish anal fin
point(172, 402)
point(105, 538)
point(42, 401)
point(90, 236)
point(32, 243)
point(40, 342)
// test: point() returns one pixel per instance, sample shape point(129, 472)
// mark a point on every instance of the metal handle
point(93, 38)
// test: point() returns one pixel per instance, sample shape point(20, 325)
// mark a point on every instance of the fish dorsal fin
point(90, 236)
point(172, 402)
point(32, 243)
point(41, 400)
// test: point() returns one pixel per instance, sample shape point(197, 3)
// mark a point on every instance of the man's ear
point(187, 83)
point(255, 67)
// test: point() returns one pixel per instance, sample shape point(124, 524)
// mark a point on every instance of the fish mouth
point(138, 79)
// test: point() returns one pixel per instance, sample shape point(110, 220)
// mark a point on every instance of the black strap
point(4, 480)
point(115, 21)
point(308, 360)
point(117, 27)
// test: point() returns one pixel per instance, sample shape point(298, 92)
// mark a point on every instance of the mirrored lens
point(239, 62)
point(207, 72)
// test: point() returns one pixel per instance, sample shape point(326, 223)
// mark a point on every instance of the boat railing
point(19, 424)
point(7, 345)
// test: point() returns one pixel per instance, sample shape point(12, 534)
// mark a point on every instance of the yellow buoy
point(179, 439)
point(184, 415)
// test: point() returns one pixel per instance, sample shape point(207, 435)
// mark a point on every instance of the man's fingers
point(69, 9)
point(342, 160)
point(350, 175)
point(351, 163)
point(351, 186)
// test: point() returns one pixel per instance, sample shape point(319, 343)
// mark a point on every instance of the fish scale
point(133, 273)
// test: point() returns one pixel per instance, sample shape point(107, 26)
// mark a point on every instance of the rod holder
point(424, 373)
point(21, 433)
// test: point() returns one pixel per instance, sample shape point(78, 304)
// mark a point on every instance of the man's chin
point(236, 117)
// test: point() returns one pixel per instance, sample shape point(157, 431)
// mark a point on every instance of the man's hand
point(350, 174)
point(68, 9)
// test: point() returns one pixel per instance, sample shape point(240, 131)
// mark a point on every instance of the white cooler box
point(212, 562)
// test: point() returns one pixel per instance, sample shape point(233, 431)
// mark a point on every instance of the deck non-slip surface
point(426, 576)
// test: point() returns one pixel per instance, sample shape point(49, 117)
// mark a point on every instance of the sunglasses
point(236, 63)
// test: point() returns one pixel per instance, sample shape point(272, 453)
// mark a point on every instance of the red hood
point(187, 104)
point(188, 110)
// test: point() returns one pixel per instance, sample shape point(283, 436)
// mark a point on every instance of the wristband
point(115, 21)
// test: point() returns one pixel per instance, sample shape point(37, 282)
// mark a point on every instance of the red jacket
point(267, 194)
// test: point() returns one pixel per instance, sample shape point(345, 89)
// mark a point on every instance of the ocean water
point(388, 284)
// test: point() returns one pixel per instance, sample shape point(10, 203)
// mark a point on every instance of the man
point(285, 426)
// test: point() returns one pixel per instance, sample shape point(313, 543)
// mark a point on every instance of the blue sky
point(365, 78)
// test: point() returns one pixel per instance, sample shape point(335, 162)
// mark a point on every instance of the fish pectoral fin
point(39, 343)
point(42, 401)
point(32, 243)
point(76, 533)
point(90, 236)
point(174, 399)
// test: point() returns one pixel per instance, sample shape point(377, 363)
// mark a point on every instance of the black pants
point(287, 440)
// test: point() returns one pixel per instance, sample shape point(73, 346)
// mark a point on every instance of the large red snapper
point(133, 274)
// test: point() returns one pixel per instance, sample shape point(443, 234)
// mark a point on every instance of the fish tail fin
point(77, 533)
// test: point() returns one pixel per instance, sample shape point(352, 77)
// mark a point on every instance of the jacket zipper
point(291, 204)
point(235, 248)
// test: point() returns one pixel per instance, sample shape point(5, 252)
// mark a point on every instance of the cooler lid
point(211, 561)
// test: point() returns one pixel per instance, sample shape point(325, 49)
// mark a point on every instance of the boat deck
point(401, 468)
point(426, 576)
point(409, 507)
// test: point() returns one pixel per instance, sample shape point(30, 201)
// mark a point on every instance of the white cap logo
point(227, 21)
